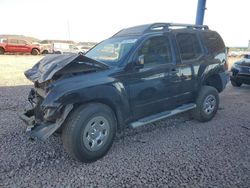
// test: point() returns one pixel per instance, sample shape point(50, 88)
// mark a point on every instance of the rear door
point(190, 58)
point(23, 46)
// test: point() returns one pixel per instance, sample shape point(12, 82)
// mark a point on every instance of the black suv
point(240, 72)
point(140, 75)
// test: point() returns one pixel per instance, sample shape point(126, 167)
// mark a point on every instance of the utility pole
point(201, 7)
point(68, 29)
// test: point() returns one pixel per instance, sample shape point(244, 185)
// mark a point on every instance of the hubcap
point(96, 133)
point(209, 104)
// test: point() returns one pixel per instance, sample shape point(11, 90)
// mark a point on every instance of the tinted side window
point(156, 51)
point(3, 41)
point(213, 42)
point(189, 46)
point(21, 42)
point(12, 41)
point(44, 42)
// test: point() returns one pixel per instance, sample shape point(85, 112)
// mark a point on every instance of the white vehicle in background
point(65, 48)
point(83, 49)
point(233, 54)
point(46, 48)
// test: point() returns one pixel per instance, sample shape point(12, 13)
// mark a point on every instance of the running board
point(162, 115)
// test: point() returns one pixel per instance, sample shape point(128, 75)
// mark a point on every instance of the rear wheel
point(34, 52)
point(207, 104)
point(45, 52)
point(89, 132)
point(235, 83)
point(1, 51)
point(58, 52)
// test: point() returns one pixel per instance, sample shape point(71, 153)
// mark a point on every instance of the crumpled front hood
point(51, 65)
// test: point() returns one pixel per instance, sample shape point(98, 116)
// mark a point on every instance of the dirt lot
point(12, 68)
point(176, 152)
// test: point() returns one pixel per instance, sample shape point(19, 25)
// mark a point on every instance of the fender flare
point(112, 96)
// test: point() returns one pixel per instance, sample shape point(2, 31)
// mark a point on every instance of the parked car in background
point(65, 48)
point(240, 72)
point(83, 49)
point(13, 45)
point(234, 54)
point(47, 45)
point(46, 48)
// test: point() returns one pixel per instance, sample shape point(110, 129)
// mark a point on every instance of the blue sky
point(95, 20)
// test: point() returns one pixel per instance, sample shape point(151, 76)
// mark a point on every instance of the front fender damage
point(42, 130)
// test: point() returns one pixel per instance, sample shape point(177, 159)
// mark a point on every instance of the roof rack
point(157, 27)
point(191, 26)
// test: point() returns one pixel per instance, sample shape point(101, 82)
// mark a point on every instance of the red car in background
point(13, 45)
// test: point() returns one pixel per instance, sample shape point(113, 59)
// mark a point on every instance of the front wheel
point(1, 51)
point(57, 52)
point(45, 52)
point(89, 132)
point(207, 104)
point(34, 52)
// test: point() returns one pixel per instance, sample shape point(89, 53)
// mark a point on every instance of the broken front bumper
point(28, 118)
point(42, 130)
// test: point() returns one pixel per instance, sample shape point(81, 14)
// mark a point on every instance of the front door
point(12, 45)
point(153, 87)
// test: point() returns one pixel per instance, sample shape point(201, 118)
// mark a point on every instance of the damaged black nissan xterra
point(140, 75)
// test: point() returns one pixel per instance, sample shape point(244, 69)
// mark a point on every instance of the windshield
point(112, 50)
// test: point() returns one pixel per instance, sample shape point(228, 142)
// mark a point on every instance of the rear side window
point(12, 41)
point(213, 42)
point(189, 46)
point(22, 42)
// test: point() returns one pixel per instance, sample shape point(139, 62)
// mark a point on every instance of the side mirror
point(140, 62)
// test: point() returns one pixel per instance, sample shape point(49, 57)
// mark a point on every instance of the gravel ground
point(176, 152)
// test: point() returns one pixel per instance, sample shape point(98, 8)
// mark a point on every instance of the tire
point(1, 51)
point(57, 52)
point(89, 131)
point(34, 52)
point(45, 52)
point(235, 83)
point(207, 104)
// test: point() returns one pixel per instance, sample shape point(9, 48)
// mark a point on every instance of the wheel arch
point(107, 94)
point(110, 104)
point(2, 48)
point(215, 81)
point(45, 51)
point(35, 48)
